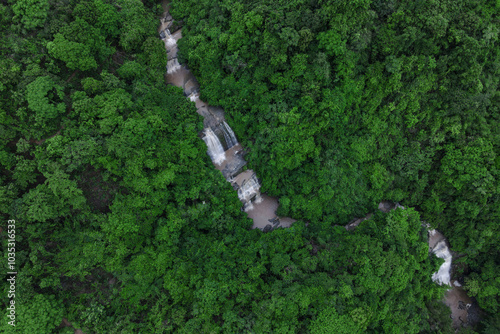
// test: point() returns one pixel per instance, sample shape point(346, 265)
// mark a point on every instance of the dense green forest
point(123, 225)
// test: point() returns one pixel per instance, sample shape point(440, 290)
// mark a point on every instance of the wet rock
point(386, 206)
point(203, 111)
point(191, 86)
point(268, 228)
point(232, 168)
point(175, 25)
point(473, 314)
point(209, 121)
point(217, 113)
point(275, 221)
point(356, 221)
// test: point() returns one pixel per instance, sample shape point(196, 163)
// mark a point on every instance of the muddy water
point(459, 302)
point(455, 298)
point(260, 208)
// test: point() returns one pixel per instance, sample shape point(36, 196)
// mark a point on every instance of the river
point(222, 145)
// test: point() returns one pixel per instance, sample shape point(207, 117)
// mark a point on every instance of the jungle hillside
point(121, 223)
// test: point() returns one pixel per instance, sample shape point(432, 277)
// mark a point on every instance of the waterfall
point(173, 66)
point(170, 42)
point(215, 149)
point(228, 135)
point(193, 97)
point(248, 190)
point(443, 275)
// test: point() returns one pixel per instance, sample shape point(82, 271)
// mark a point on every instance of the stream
point(455, 298)
point(222, 145)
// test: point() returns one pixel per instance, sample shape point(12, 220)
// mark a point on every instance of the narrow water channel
point(222, 145)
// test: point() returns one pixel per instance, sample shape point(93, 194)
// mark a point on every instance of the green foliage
point(44, 97)
point(75, 55)
point(40, 314)
point(329, 321)
point(124, 226)
point(31, 13)
point(344, 104)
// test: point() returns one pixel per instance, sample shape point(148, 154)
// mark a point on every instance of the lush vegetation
point(124, 226)
point(345, 103)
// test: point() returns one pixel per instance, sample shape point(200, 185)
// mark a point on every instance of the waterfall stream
point(441, 250)
point(248, 191)
point(222, 146)
point(262, 208)
point(215, 149)
point(228, 135)
point(173, 66)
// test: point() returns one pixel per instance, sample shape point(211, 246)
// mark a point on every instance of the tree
point(31, 13)
point(75, 55)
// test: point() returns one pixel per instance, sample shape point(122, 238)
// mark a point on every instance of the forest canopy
point(123, 225)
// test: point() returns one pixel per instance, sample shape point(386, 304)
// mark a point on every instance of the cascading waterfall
point(218, 134)
point(170, 41)
point(228, 135)
point(173, 66)
point(441, 250)
point(193, 97)
point(215, 149)
point(248, 190)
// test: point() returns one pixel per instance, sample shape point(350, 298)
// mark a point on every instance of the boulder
point(232, 168)
point(268, 228)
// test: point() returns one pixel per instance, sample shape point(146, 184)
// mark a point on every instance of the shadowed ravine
point(222, 145)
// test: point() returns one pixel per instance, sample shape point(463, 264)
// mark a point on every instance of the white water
point(248, 190)
point(173, 66)
point(441, 250)
point(180, 76)
point(229, 135)
point(194, 97)
point(248, 206)
point(258, 199)
point(170, 42)
point(215, 149)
